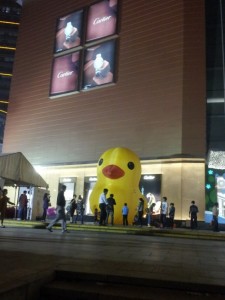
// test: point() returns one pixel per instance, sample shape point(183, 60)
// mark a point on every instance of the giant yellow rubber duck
point(119, 171)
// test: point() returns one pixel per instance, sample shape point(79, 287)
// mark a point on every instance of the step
point(72, 285)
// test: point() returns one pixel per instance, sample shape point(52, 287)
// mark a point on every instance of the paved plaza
point(163, 256)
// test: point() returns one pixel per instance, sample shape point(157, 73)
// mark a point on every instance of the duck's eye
point(100, 162)
point(130, 165)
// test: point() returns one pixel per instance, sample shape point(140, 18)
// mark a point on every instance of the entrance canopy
point(15, 169)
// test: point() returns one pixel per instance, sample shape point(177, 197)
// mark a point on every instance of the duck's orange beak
point(113, 172)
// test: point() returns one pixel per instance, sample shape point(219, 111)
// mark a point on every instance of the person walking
point(215, 213)
point(102, 206)
point(193, 211)
point(3, 205)
point(125, 211)
point(60, 215)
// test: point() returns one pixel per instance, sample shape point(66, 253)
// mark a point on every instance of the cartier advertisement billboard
point(99, 65)
point(69, 31)
point(101, 20)
point(85, 48)
point(65, 73)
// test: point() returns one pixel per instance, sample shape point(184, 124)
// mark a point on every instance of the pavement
point(175, 259)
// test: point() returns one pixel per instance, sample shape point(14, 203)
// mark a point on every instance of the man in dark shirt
point(110, 208)
point(61, 202)
point(193, 215)
point(23, 206)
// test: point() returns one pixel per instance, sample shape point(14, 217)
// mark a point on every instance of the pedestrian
point(102, 206)
point(171, 214)
point(72, 207)
point(215, 213)
point(193, 211)
point(23, 206)
point(3, 205)
point(110, 208)
point(164, 211)
point(140, 211)
point(96, 215)
point(80, 210)
point(60, 211)
point(125, 211)
point(46, 204)
point(150, 212)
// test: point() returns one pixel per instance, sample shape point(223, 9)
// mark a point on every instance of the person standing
point(96, 213)
point(125, 211)
point(150, 213)
point(193, 210)
point(164, 211)
point(46, 202)
point(60, 214)
point(171, 214)
point(23, 206)
point(110, 208)
point(140, 210)
point(80, 210)
point(73, 207)
point(102, 206)
point(215, 213)
point(3, 205)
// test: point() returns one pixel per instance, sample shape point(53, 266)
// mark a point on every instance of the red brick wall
point(156, 108)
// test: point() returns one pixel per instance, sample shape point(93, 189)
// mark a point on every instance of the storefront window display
point(215, 192)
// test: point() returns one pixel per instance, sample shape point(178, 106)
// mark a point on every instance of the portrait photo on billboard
point(69, 31)
point(102, 20)
point(65, 74)
point(99, 65)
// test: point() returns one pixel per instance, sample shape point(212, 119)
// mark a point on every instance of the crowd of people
point(164, 218)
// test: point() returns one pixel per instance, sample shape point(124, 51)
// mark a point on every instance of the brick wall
point(156, 108)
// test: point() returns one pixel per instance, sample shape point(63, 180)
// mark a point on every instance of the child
point(125, 211)
point(96, 216)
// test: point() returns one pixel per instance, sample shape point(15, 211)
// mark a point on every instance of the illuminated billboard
point(65, 73)
point(69, 31)
point(101, 20)
point(99, 65)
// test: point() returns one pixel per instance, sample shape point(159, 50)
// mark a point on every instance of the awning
point(15, 169)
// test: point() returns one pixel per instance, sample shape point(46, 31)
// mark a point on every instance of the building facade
point(155, 105)
point(10, 12)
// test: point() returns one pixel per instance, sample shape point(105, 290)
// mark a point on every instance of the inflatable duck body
point(119, 171)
